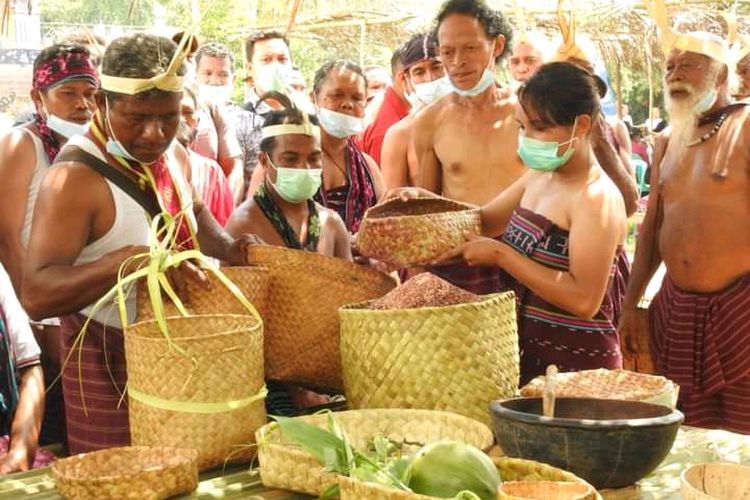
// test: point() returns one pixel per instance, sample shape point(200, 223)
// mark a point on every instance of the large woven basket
point(417, 231)
point(206, 392)
point(251, 280)
point(136, 472)
point(511, 469)
point(456, 358)
point(284, 465)
point(305, 292)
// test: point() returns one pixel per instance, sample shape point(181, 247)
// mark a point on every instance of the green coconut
point(447, 468)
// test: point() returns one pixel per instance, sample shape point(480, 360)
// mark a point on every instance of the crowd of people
point(147, 125)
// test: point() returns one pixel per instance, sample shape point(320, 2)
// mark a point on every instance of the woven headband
point(168, 80)
point(63, 68)
point(728, 51)
point(306, 128)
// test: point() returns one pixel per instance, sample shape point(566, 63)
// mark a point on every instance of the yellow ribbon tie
point(196, 407)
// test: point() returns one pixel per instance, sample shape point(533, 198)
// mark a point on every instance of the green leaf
point(320, 443)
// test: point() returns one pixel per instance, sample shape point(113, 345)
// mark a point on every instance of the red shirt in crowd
point(391, 111)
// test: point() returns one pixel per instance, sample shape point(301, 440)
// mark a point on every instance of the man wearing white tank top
point(63, 85)
point(85, 226)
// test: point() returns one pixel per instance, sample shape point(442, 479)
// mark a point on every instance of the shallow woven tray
point(415, 232)
point(225, 364)
point(284, 465)
point(251, 280)
point(137, 472)
point(454, 358)
point(511, 469)
point(305, 292)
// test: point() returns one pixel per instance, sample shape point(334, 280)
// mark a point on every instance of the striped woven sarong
point(701, 341)
point(104, 423)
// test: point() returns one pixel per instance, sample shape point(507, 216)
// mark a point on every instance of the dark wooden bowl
point(610, 443)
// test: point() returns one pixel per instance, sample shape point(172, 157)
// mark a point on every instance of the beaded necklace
point(703, 138)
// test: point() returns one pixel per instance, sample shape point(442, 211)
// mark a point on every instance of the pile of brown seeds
point(424, 290)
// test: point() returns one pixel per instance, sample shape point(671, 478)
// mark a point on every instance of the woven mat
point(692, 446)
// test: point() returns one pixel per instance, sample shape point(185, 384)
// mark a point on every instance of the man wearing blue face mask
point(465, 143)
point(93, 214)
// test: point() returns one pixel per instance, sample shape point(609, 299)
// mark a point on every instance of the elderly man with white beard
point(697, 224)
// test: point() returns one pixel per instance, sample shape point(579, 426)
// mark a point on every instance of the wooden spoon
point(548, 396)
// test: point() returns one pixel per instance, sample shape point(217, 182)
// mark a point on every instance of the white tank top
point(40, 169)
point(130, 227)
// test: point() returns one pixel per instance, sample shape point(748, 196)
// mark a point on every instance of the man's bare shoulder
point(401, 128)
point(241, 220)
point(16, 145)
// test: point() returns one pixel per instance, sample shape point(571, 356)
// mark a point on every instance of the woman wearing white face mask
point(562, 226)
point(352, 181)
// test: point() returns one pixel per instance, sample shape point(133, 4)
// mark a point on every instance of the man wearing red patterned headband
point(64, 82)
point(93, 214)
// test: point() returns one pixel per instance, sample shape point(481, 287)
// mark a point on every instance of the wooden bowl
point(545, 490)
point(718, 481)
point(609, 443)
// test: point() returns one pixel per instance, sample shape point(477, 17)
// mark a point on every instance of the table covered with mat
point(692, 446)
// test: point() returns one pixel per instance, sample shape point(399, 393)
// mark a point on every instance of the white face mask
point(64, 127)
point(433, 91)
point(487, 80)
point(272, 77)
point(219, 94)
point(340, 125)
point(114, 146)
point(706, 102)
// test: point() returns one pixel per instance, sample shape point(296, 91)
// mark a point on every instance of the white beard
point(683, 116)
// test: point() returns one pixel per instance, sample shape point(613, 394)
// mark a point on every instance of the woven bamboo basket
point(415, 232)
point(510, 469)
point(305, 292)
point(136, 472)
point(717, 481)
point(251, 280)
point(455, 358)
point(209, 396)
point(284, 465)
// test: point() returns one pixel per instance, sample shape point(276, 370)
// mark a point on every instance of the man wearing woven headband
point(282, 211)
point(425, 82)
point(93, 214)
point(465, 143)
point(696, 223)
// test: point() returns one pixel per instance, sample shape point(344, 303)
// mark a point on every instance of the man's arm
point(63, 221)
point(17, 162)
point(394, 162)
point(377, 177)
point(620, 173)
point(342, 238)
point(422, 138)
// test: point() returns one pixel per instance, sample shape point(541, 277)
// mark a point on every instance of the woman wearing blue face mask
point(562, 226)
point(352, 181)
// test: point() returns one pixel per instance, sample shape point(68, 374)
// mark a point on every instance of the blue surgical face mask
point(706, 102)
point(296, 185)
point(487, 80)
point(114, 146)
point(542, 155)
point(64, 127)
point(339, 124)
point(272, 77)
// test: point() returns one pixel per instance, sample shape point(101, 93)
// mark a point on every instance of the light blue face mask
point(487, 80)
point(65, 128)
point(114, 146)
point(542, 155)
point(706, 102)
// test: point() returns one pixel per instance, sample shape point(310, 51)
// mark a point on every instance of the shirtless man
point(79, 242)
point(282, 211)
point(425, 83)
point(743, 75)
point(696, 223)
point(466, 142)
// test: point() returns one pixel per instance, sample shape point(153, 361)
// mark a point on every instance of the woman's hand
point(477, 251)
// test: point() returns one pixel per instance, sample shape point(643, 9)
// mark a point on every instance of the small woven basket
point(511, 469)
point(205, 391)
point(305, 292)
point(251, 280)
point(136, 472)
point(717, 481)
point(284, 465)
point(417, 231)
point(455, 358)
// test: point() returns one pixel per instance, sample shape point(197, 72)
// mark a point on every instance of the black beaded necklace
point(712, 132)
